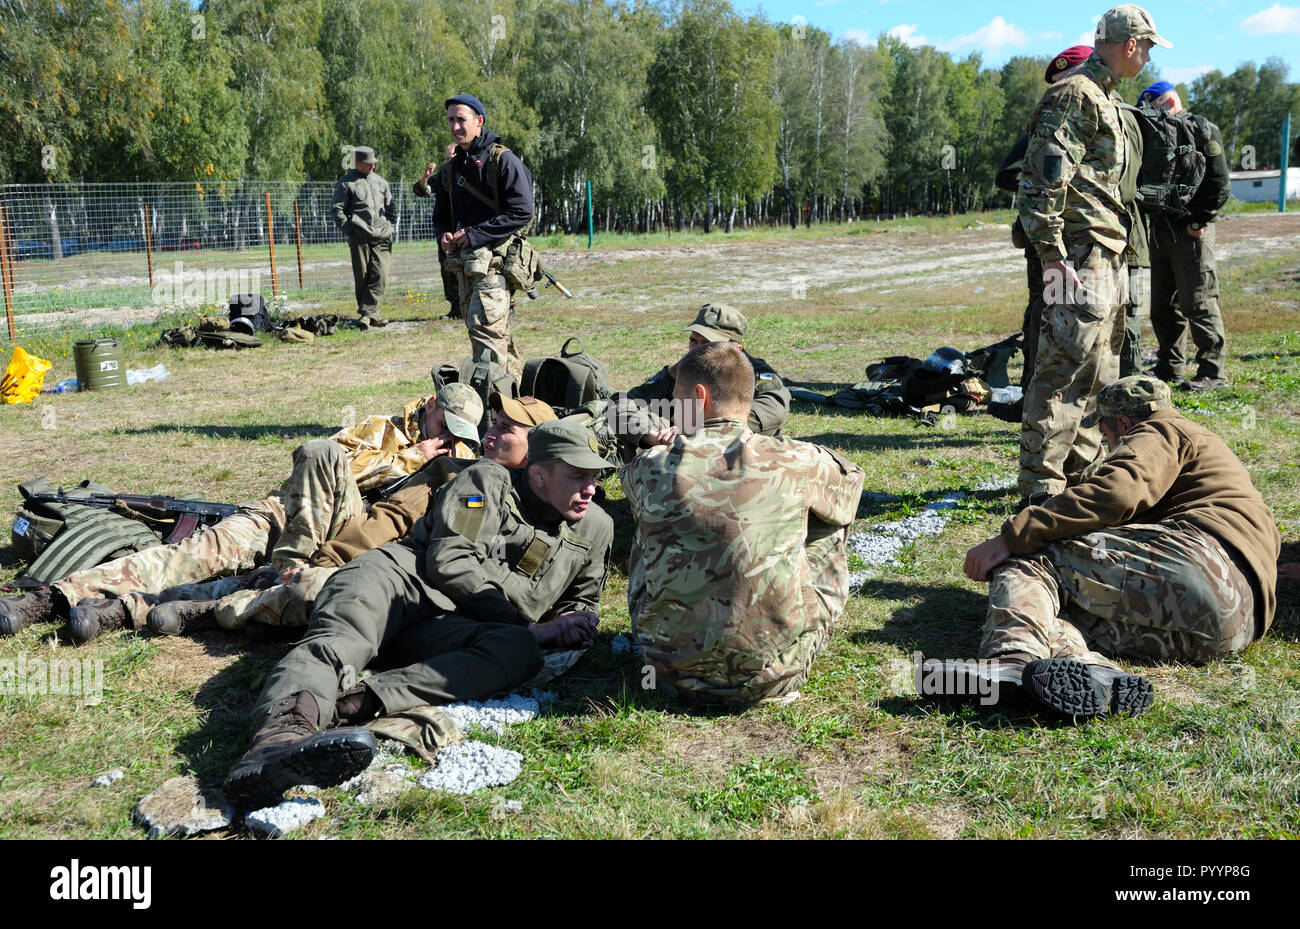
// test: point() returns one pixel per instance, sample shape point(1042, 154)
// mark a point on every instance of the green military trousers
point(370, 274)
point(1033, 314)
point(377, 610)
point(1164, 592)
point(1185, 297)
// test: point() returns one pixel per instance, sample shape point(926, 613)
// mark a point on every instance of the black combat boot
point(93, 616)
point(287, 751)
point(1007, 412)
point(35, 606)
point(1076, 688)
point(177, 616)
point(987, 681)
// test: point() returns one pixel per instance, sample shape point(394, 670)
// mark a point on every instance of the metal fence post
point(148, 245)
point(297, 225)
point(270, 241)
point(5, 273)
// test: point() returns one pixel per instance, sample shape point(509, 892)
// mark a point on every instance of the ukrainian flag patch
point(474, 501)
point(765, 377)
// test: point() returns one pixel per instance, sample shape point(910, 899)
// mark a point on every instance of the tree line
point(682, 113)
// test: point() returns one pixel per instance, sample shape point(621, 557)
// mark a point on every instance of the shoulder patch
point(1214, 149)
point(473, 501)
point(765, 377)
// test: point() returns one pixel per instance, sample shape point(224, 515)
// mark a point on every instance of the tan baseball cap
point(462, 409)
point(718, 322)
point(1136, 395)
point(1129, 21)
point(365, 155)
point(527, 411)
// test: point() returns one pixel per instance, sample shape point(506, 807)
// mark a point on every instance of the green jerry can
point(100, 364)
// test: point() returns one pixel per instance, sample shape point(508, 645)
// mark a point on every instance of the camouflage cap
point(718, 322)
point(365, 155)
point(463, 410)
point(567, 441)
point(1129, 21)
point(527, 411)
point(1133, 396)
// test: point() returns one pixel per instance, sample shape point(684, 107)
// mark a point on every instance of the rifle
point(551, 282)
point(189, 513)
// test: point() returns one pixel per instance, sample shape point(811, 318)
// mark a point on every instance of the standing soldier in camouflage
point(1071, 213)
point(485, 202)
point(506, 563)
point(1184, 277)
point(718, 322)
point(422, 188)
point(1166, 552)
point(739, 569)
point(321, 497)
point(363, 211)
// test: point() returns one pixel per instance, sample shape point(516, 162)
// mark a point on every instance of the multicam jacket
point(1069, 184)
point(739, 568)
point(381, 449)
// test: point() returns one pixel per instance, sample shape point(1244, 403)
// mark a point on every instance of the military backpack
point(566, 381)
point(1173, 159)
point(484, 374)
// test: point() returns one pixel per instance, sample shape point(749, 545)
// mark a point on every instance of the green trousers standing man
point(363, 211)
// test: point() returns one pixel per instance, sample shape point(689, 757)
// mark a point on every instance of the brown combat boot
point(35, 606)
point(93, 616)
point(178, 616)
point(287, 751)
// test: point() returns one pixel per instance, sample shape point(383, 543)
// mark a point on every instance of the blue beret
point(1158, 89)
point(469, 100)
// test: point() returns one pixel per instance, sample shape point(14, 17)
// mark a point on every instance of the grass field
point(1217, 756)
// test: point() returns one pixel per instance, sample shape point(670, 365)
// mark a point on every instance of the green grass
point(858, 755)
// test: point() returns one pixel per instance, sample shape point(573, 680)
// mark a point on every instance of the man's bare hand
point(574, 629)
point(429, 169)
point(1195, 233)
point(1060, 271)
point(446, 243)
point(984, 557)
point(660, 437)
point(433, 448)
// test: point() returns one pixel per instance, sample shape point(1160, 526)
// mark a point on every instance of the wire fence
point(126, 253)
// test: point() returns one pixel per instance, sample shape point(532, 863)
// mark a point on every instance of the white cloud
point(1272, 21)
point(908, 35)
point(861, 36)
point(994, 37)
point(1184, 75)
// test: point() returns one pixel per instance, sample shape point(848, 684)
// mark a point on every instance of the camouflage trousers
point(486, 306)
point(728, 678)
point(282, 604)
point(1079, 341)
point(370, 274)
point(1160, 592)
point(1185, 296)
point(317, 499)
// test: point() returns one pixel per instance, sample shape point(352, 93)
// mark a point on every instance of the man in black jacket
point(485, 199)
point(1184, 278)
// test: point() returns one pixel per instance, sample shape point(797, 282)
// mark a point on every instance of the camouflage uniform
point(1070, 210)
point(739, 568)
point(1166, 553)
point(362, 208)
point(447, 610)
point(321, 495)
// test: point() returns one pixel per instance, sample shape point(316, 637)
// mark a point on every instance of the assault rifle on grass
point(188, 513)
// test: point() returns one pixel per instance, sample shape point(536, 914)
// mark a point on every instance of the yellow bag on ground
point(23, 378)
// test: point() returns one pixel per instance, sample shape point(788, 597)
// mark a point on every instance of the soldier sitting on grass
point(1166, 553)
point(740, 566)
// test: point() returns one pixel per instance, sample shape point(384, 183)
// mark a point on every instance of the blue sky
point(1207, 34)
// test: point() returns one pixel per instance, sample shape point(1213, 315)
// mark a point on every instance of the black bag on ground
point(566, 381)
point(248, 314)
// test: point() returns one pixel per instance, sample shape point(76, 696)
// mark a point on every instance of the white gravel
point(493, 715)
point(285, 817)
point(879, 546)
point(471, 766)
point(108, 777)
point(996, 482)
